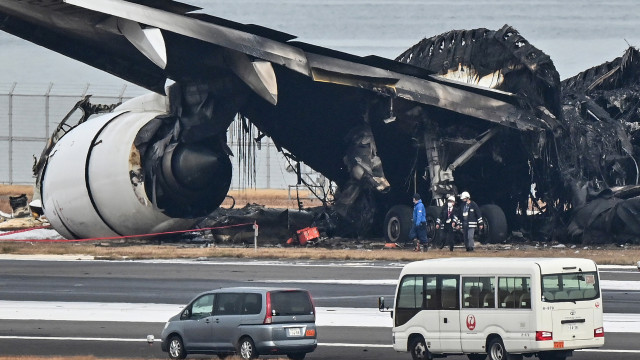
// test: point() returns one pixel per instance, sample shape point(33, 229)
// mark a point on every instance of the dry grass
point(274, 198)
point(609, 256)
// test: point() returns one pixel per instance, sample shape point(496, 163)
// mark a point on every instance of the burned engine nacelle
point(93, 184)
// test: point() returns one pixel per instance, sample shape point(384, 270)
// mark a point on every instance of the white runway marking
point(302, 263)
point(160, 313)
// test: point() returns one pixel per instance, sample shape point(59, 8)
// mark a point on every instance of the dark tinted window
point(285, 303)
point(252, 304)
point(229, 304)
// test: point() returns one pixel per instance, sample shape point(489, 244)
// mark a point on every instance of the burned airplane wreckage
point(475, 110)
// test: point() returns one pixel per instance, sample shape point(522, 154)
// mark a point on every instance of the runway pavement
point(107, 308)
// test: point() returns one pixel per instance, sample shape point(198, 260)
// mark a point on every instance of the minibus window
point(514, 292)
point(570, 287)
point(410, 296)
point(478, 292)
point(449, 292)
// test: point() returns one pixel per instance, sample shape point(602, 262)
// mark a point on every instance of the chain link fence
point(29, 112)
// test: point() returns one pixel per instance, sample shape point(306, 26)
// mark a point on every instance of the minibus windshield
point(570, 287)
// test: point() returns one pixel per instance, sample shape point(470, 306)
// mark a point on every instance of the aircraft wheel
point(495, 224)
point(397, 224)
point(437, 241)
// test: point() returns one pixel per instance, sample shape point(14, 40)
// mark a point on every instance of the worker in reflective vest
point(471, 219)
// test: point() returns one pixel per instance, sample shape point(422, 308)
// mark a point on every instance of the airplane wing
point(147, 42)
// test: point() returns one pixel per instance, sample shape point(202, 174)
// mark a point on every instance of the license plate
point(294, 332)
point(558, 344)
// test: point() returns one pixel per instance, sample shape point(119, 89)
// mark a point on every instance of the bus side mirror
point(383, 308)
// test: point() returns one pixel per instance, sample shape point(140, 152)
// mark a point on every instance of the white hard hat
point(465, 195)
point(451, 198)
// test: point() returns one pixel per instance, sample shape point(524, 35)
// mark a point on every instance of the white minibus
point(503, 308)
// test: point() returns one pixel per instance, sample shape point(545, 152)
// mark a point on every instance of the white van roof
point(498, 265)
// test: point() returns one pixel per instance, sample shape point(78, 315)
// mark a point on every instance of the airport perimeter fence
point(30, 112)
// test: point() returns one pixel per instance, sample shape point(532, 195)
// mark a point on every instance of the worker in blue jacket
point(419, 226)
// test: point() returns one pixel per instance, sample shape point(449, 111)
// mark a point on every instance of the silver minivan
point(244, 321)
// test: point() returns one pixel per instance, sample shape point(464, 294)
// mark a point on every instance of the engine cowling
point(93, 184)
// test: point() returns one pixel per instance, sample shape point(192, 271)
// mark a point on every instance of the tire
point(495, 225)
point(437, 241)
point(247, 349)
point(418, 349)
point(397, 224)
point(497, 351)
point(552, 355)
point(477, 356)
point(296, 356)
point(176, 348)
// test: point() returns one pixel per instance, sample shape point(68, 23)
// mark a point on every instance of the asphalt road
point(177, 282)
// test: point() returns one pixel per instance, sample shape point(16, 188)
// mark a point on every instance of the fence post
point(13, 86)
point(47, 97)
point(255, 236)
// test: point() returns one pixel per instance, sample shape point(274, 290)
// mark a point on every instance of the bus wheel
point(477, 356)
point(497, 351)
point(397, 224)
point(418, 349)
point(552, 355)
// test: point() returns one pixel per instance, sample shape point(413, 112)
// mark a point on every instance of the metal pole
point(255, 236)
point(46, 109)
point(13, 86)
point(268, 164)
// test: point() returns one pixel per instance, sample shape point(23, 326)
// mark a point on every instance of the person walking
point(419, 227)
point(447, 222)
point(471, 219)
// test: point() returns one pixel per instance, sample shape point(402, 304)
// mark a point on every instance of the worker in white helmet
point(471, 218)
point(447, 222)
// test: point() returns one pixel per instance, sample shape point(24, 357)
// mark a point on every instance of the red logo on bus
point(597, 304)
point(471, 322)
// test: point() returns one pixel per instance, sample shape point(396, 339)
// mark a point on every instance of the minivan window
point(288, 303)
point(202, 307)
point(229, 304)
point(252, 304)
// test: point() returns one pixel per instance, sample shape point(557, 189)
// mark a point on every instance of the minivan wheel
point(418, 349)
point(247, 349)
point(176, 348)
point(296, 356)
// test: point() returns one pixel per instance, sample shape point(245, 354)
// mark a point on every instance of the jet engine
point(96, 184)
